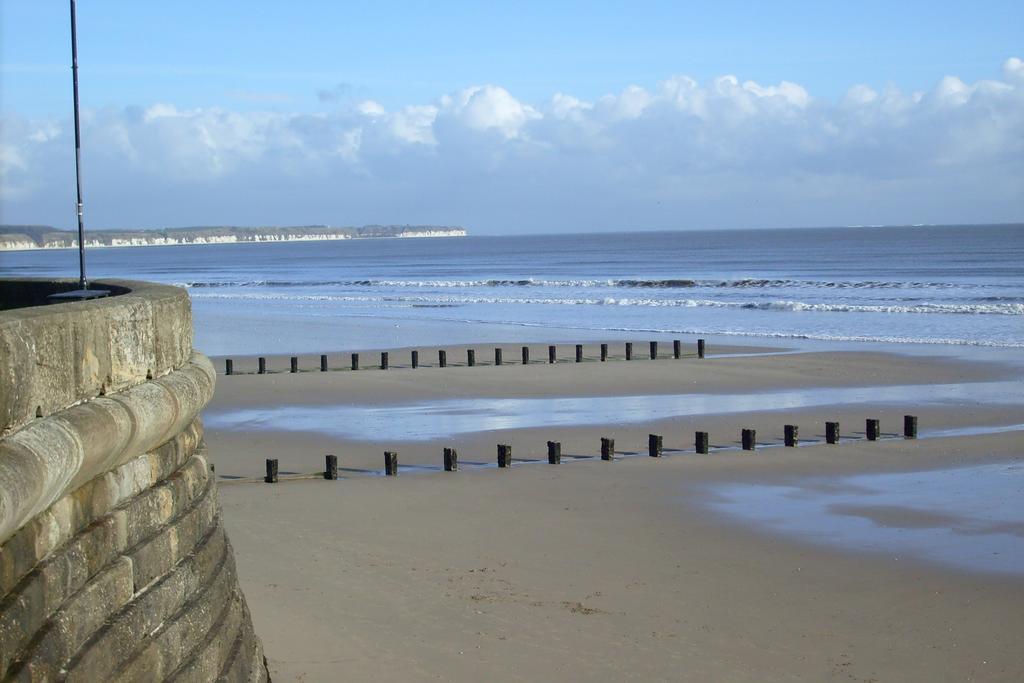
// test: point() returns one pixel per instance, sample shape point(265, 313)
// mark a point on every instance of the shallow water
point(969, 518)
point(439, 419)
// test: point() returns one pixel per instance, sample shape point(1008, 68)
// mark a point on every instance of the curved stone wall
point(114, 564)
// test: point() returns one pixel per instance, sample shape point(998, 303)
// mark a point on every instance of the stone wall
point(114, 564)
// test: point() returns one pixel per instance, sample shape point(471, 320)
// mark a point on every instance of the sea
point(949, 286)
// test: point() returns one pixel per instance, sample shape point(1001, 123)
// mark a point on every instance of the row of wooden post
point(655, 447)
point(442, 357)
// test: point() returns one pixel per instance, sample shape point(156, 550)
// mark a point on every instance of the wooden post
point(607, 448)
point(749, 439)
point(791, 435)
point(323, 363)
point(229, 367)
point(295, 365)
point(262, 365)
point(677, 348)
point(391, 463)
point(832, 432)
point(910, 426)
point(551, 354)
point(700, 348)
point(330, 467)
point(442, 359)
point(604, 352)
point(654, 442)
point(554, 453)
point(470, 357)
point(504, 455)
point(654, 350)
point(355, 361)
point(526, 355)
point(579, 353)
point(415, 359)
point(383, 360)
point(497, 356)
point(451, 460)
point(629, 350)
point(873, 428)
point(271, 477)
point(700, 442)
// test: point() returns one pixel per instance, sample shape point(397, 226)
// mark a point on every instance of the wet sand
point(608, 571)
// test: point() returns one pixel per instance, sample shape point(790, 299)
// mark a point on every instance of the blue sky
point(548, 114)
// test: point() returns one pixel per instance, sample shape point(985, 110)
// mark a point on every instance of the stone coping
point(59, 355)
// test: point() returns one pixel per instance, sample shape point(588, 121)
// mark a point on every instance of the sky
point(510, 118)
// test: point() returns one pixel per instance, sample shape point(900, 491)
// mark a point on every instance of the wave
point(781, 305)
point(674, 283)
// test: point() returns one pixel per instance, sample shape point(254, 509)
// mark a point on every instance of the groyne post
point(229, 366)
point(748, 438)
point(391, 463)
point(910, 426)
point(700, 348)
point(497, 356)
point(554, 453)
point(654, 445)
point(551, 354)
point(415, 359)
point(470, 357)
point(791, 435)
point(677, 348)
point(832, 432)
point(330, 467)
point(607, 448)
point(451, 460)
point(872, 428)
point(504, 455)
point(604, 352)
point(383, 360)
point(654, 350)
point(442, 359)
point(355, 361)
point(262, 365)
point(700, 442)
point(271, 477)
point(579, 353)
point(294, 365)
point(323, 362)
point(629, 350)
point(526, 355)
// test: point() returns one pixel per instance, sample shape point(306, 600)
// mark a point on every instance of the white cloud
point(679, 153)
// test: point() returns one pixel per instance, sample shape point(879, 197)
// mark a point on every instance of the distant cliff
point(21, 237)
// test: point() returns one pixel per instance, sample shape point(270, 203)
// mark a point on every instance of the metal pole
point(82, 282)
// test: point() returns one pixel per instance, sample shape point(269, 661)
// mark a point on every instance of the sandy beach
point(634, 569)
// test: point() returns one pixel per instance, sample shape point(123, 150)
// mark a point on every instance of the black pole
point(83, 283)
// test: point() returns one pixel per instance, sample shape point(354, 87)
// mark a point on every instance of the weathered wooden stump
point(323, 363)
point(607, 448)
point(470, 357)
point(629, 350)
point(832, 432)
point(872, 428)
point(791, 435)
point(551, 354)
point(654, 445)
point(229, 367)
point(748, 438)
point(910, 426)
point(415, 359)
point(554, 453)
point(383, 360)
point(442, 359)
point(504, 455)
point(700, 442)
point(271, 477)
point(654, 350)
point(355, 361)
point(700, 348)
point(579, 353)
point(604, 352)
point(526, 355)
point(451, 460)
point(262, 363)
point(330, 467)
point(391, 463)
point(294, 365)
point(497, 356)
point(677, 348)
